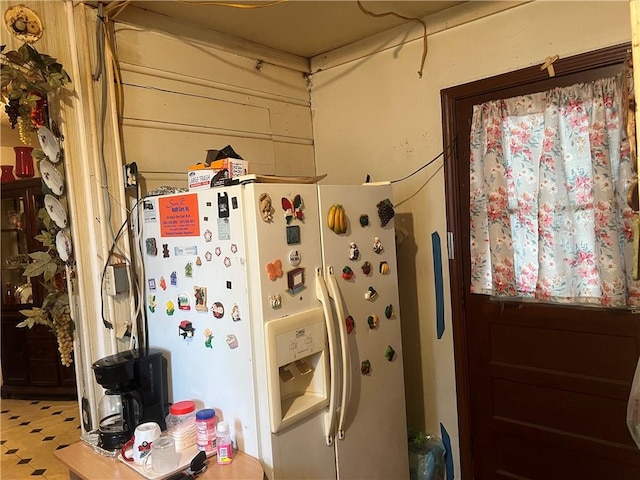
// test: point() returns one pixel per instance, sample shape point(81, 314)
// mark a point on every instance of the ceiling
point(300, 27)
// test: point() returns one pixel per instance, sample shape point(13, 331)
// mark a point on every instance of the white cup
point(143, 437)
point(163, 457)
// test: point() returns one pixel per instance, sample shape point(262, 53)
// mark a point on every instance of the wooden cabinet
point(31, 366)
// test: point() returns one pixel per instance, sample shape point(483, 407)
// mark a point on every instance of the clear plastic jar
point(181, 424)
point(206, 422)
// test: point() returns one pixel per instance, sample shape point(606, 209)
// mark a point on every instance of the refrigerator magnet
point(188, 270)
point(190, 250)
point(183, 302)
point(163, 283)
point(198, 261)
point(371, 294)
point(227, 262)
point(208, 256)
point(165, 250)
point(152, 303)
point(293, 235)
point(208, 235)
point(218, 251)
point(295, 281)
point(170, 308)
point(223, 205)
point(151, 246)
point(274, 270)
point(275, 301)
point(234, 248)
point(152, 284)
point(388, 311)
point(185, 329)
point(218, 310)
point(232, 341)
point(347, 273)
point(366, 268)
point(385, 211)
point(200, 295)
point(354, 253)
point(294, 258)
point(224, 229)
point(384, 268)
point(350, 323)
point(208, 338)
point(292, 208)
point(365, 367)
point(373, 321)
point(377, 245)
point(364, 220)
point(235, 313)
point(389, 353)
point(265, 207)
point(173, 278)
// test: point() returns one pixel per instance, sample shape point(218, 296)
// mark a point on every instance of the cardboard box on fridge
point(200, 176)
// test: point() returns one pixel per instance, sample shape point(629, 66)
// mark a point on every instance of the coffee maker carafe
point(135, 392)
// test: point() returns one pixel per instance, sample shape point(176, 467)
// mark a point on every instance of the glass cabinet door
point(16, 289)
point(16, 233)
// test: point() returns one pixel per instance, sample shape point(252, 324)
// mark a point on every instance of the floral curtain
point(549, 177)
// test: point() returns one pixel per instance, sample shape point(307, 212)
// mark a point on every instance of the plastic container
point(224, 448)
point(206, 422)
point(181, 424)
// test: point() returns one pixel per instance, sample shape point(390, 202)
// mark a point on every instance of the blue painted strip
point(437, 274)
point(448, 458)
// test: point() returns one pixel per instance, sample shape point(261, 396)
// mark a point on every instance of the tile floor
point(30, 431)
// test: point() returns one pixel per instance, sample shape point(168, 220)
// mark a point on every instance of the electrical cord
point(121, 230)
point(445, 151)
point(413, 19)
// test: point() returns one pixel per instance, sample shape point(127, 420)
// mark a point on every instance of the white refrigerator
point(288, 328)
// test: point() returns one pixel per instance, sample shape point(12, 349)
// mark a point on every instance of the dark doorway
point(542, 389)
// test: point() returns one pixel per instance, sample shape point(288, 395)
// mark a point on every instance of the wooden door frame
point(570, 66)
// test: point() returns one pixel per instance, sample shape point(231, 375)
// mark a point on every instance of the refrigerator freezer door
point(283, 255)
point(375, 440)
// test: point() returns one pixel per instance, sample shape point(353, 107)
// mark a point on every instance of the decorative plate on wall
point(49, 144)
point(52, 177)
point(63, 245)
point(23, 23)
point(56, 211)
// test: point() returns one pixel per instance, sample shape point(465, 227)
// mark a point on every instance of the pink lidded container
point(206, 422)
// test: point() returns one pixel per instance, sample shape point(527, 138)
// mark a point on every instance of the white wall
point(375, 115)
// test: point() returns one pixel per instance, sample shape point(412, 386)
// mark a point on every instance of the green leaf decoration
point(33, 312)
point(26, 77)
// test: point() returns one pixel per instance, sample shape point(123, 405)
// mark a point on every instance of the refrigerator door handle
point(334, 293)
point(323, 296)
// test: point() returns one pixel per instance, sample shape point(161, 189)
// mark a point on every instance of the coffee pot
point(135, 392)
point(119, 413)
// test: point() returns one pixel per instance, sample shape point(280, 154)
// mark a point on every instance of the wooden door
point(542, 389)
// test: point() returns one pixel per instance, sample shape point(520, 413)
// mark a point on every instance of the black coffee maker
point(135, 386)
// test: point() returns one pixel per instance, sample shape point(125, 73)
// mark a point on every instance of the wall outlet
point(131, 175)
point(116, 280)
